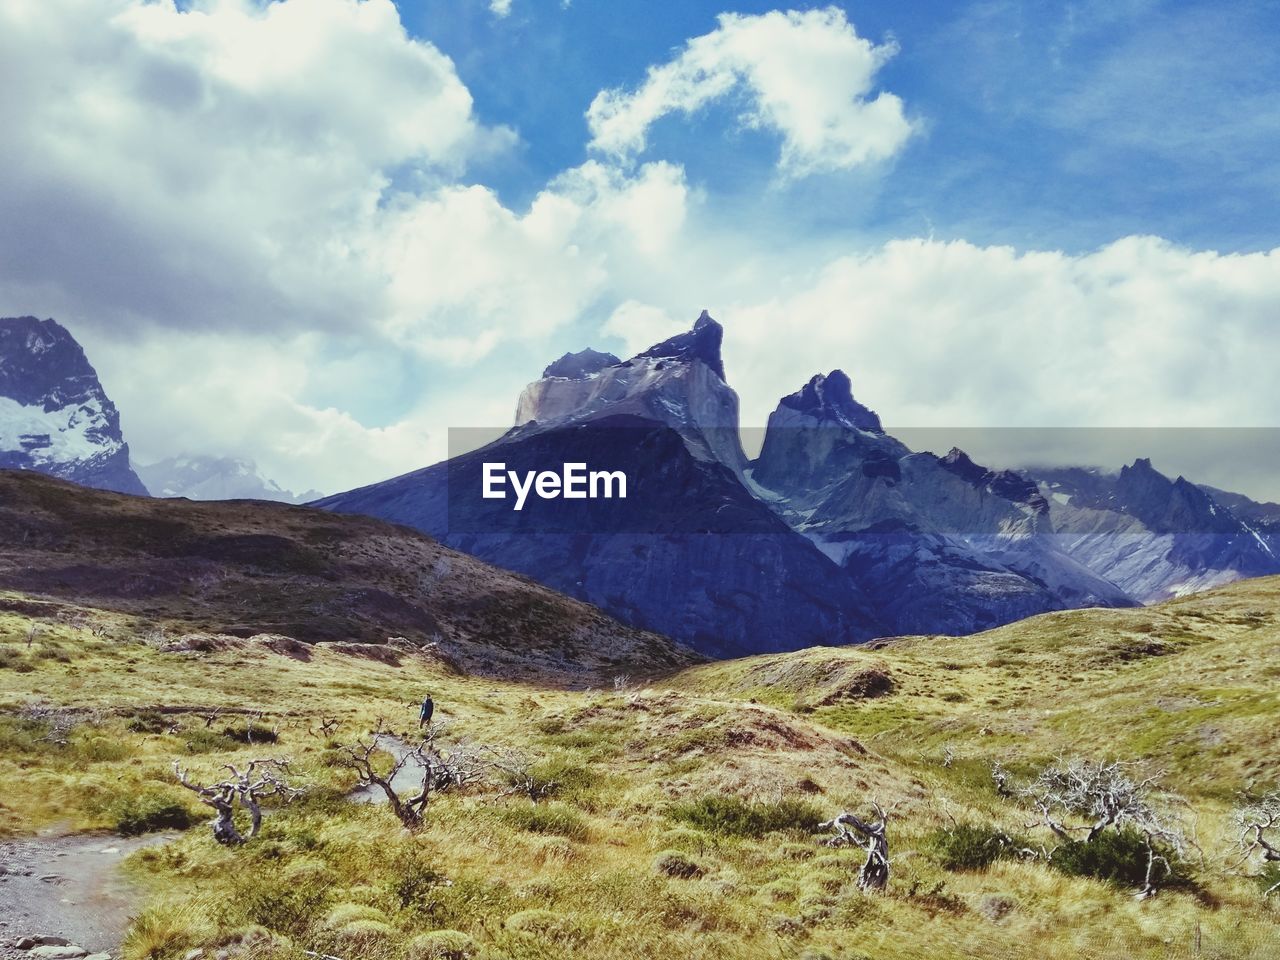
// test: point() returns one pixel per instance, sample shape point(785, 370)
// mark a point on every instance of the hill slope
point(245, 568)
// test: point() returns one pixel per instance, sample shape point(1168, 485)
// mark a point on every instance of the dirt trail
point(69, 886)
point(407, 780)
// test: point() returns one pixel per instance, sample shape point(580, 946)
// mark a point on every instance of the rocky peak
point(54, 415)
point(1007, 484)
point(701, 343)
point(831, 398)
point(578, 366)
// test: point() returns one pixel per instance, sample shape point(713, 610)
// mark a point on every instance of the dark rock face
point(700, 343)
point(1006, 484)
point(54, 415)
point(576, 366)
point(830, 399)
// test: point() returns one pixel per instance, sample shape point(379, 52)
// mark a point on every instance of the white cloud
point(1137, 333)
point(210, 202)
point(640, 325)
point(500, 8)
point(806, 75)
point(219, 165)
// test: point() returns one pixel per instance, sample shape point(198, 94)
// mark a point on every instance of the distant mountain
point(55, 418)
point(1156, 537)
point(836, 531)
point(215, 478)
point(945, 545)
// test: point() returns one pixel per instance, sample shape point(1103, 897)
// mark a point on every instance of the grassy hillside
point(248, 568)
point(682, 820)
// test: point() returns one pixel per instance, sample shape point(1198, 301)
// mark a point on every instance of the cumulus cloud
point(256, 217)
point(1140, 332)
point(500, 8)
point(223, 164)
point(806, 75)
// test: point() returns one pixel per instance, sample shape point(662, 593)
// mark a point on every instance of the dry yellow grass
point(1189, 686)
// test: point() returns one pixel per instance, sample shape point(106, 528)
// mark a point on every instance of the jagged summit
point(577, 366)
point(701, 343)
point(1009, 484)
point(54, 415)
point(831, 398)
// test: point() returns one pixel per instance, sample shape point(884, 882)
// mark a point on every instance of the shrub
point(442, 945)
point(360, 936)
point(345, 913)
point(552, 818)
point(149, 812)
point(736, 817)
point(251, 733)
point(1116, 856)
point(544, 924)
point(102, 749)
point(148, 721)
point(969, 846)
point(673, 863)
point(202, 740)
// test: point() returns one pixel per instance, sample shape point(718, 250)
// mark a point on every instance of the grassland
point(635, 854)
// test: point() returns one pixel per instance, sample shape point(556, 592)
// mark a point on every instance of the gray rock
point(68, 952)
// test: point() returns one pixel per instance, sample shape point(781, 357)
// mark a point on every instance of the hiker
point(428, 708)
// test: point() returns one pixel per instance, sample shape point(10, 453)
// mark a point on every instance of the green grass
point(681, 818)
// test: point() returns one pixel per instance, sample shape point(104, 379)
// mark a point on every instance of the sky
point(320, 233)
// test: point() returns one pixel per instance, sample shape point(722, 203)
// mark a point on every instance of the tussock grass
point(680, 822)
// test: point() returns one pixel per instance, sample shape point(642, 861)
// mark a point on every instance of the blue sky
point(320, 233)
point(1044, 123)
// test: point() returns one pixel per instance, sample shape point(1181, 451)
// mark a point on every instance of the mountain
point(691, 553)
point(679, 382)
point(836, 532)
point(55, 418)
point(219, 573)
point(215, 478)
point(1154, 536)
point(944, 544)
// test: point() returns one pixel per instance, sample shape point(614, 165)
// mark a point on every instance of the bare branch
point(259, 780)
point(871, 837)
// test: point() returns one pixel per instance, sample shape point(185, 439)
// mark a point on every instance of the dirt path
point(71, 886)
point(68, 886)
point(407, 779)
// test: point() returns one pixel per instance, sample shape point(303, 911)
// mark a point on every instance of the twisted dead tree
point(1107, 795)
point(871, 836)
point(1255, 821)
point(520, 773)
point(423, 762)
point(256, 782)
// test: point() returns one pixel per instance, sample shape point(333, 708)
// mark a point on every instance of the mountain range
point(835, 533)
point(202, 477)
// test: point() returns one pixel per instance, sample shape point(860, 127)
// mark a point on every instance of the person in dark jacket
point(428, 708)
